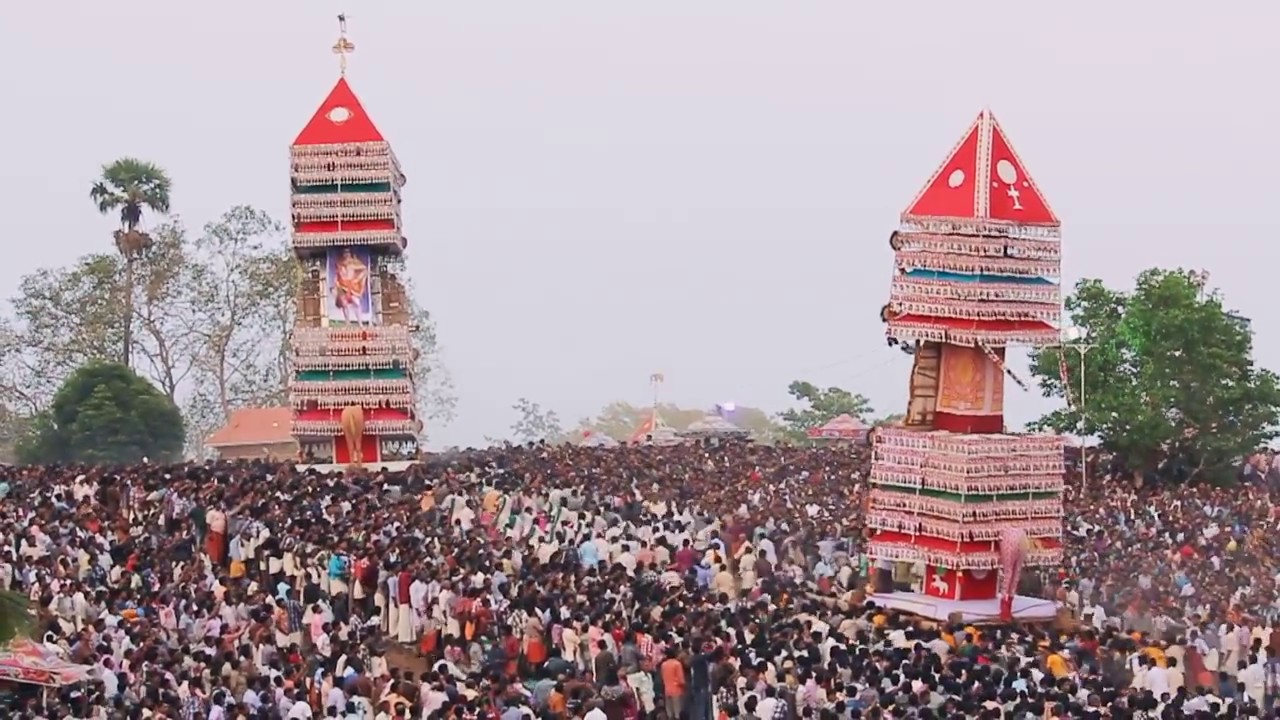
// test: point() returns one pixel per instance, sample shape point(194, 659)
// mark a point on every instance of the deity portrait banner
point(969, 382)
point(350, 298)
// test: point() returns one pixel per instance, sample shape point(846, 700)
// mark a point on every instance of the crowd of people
point(694, 582)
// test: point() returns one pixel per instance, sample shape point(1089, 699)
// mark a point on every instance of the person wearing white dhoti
point(404, 606)
point(1229, 641)
point(404, 627)
point(418, 603)
point(357, 587)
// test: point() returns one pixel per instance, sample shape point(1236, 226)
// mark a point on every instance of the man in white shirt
point(250, 699)
point(621, 553)
point(300, 710)
point(335, 698)
point(1254, 677)
point(595, 713)
point(766, 708)
point(1158, 681)
point(432, 699)
point(324, 644)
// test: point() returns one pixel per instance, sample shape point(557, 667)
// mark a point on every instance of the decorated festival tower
point(976, 266)
point(353, 389)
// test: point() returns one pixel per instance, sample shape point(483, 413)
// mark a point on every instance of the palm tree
point(131, 186)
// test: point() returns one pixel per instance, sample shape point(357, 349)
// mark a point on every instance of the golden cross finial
point(343, 47)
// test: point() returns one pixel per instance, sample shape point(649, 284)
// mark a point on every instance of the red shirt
point(402, 587)
point(686, 558)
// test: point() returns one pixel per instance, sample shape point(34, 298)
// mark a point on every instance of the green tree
point(130, 186)
point(820, 406)
point(1168, 377)
point(105, 413)
point(16, 617)
point(536, 423)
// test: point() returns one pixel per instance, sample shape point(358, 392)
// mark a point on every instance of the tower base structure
point(969, 612)
point(392, 466)
point(948, 500)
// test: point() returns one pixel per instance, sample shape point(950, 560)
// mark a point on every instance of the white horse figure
point(939, 585)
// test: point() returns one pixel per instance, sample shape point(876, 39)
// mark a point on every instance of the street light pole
point(1074, 338)
point(1083, 349)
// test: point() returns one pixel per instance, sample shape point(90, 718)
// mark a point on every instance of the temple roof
point(340, 119)
point(253, 426)
point(983, 179)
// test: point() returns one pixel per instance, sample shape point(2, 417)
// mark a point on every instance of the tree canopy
point(820, 406)
point(536, 423)
point(130, 186)
point(1169, 381)
point(103, 414)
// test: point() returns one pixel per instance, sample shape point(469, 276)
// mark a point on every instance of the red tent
point(27, 662)
point(841, 427)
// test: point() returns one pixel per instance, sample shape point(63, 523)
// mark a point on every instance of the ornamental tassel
point(999, 362)
point(1066, 380)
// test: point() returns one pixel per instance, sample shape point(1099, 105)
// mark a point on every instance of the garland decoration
point(938, 332)
point(902, 552)
point(994, 357)
point(976, 246)
point(1066, 379)
point(974, 310)
point(909, 286)
point(963, 512)
point(970, 265)
point(909, 524)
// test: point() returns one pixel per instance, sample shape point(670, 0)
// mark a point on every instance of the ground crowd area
point(688, 582)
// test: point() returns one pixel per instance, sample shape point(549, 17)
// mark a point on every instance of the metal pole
point(1083, 349)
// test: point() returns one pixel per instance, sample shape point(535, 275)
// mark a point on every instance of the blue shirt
point(337, 566)
point(589, 554)
point(703, 575)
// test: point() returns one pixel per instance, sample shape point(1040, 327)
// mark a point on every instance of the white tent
point(593, 438)
point(714, 426)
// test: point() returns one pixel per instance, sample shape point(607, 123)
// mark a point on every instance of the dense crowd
point(688, 582)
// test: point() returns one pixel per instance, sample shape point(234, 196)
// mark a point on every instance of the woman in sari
point(429, 646)
point(511, 651)
point(535, 641)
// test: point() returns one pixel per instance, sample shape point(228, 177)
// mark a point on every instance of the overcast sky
point(602, 190)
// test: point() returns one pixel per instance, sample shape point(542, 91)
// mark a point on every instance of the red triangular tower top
point(340, 119)
point(983, 179)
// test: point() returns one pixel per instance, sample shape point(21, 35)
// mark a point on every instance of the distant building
point(255, 433)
